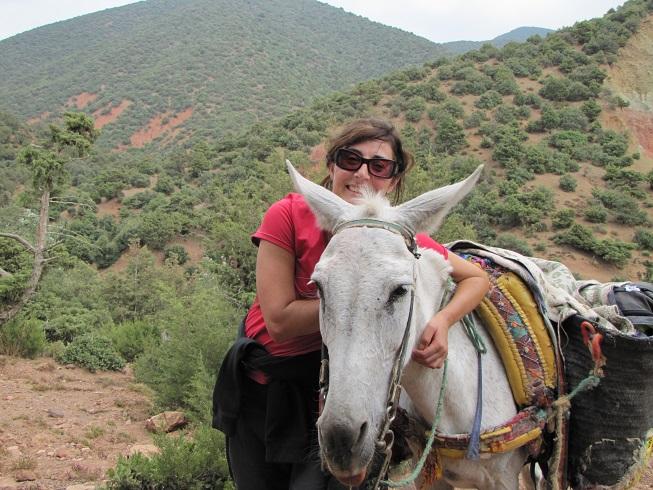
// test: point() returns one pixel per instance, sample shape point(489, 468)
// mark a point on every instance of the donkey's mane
point(372, 205)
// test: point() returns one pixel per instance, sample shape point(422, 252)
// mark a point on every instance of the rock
point(14, 452)
point(85, 471)
point(83, 486)
point(166, 422)
point(24, 475)
point(144, 449)
point(62, 453)
point(57, 414)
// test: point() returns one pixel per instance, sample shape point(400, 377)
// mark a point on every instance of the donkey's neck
point(422, 384)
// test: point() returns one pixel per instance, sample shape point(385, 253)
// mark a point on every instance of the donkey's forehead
point(371, 249)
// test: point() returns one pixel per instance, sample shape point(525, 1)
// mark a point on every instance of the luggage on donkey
point(611, 426)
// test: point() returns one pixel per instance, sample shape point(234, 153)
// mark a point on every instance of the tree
point(46, 163)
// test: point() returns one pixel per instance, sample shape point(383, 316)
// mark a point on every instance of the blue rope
point(474, 448)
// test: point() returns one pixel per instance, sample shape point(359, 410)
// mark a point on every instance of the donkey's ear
point(328, 208)
point(426, 212)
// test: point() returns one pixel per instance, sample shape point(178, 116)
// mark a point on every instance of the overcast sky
point(437, 20)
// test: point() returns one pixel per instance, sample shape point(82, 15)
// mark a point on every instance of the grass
point(93, 432)
point(24, 463)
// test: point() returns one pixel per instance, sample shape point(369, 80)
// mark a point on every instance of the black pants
point(246, 451)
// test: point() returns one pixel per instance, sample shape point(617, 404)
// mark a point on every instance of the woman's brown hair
point(371, 129)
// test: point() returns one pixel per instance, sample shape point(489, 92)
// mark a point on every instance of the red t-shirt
point(291, 225)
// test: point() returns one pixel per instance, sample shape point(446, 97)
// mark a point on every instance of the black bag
point(611, 426)
point(635, 302)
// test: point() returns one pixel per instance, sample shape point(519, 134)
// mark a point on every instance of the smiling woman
point(274, 367)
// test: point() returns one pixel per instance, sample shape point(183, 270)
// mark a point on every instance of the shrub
point(577, 236)
point(489, 100)
point(197, 334)
point(183, 463)
point(614, 251)
point(568, 183)
point(474, 120)
point(644, 239)
point(176, 252)
point(572, 118)
point(591, 109)
point(613, 143)
point(24, 338)
point(563, 218)
point(131, 338)
point(511, 242)
point(450, 136)
point(92, 352)
point(596, 214)
point(505, 114)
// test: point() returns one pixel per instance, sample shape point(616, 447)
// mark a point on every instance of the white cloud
point(476, 20)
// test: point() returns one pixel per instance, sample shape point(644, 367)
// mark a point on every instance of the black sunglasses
point(378, 167)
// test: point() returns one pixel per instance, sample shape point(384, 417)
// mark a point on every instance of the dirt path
point(61, 427)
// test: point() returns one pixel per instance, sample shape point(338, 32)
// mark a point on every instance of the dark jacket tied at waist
point(292, 393)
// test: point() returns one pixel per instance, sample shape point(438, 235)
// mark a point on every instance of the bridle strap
point(406, 233)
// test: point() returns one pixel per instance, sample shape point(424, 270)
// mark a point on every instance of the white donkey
point(367, 279)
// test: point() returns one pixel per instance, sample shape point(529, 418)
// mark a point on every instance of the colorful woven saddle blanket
point(512, 317)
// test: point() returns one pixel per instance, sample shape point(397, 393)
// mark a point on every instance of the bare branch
point(72, 202)
point(75, 236)
point(4, 273)
point(20, 240)
point(55, 244)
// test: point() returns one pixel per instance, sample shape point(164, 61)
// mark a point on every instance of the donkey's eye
point(396, 294)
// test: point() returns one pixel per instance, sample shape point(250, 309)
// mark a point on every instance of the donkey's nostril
point(361, 434)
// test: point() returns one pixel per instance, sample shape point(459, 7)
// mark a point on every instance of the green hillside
point(152, 246)
point(227, 63)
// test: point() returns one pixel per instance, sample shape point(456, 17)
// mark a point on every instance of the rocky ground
point(63, 427)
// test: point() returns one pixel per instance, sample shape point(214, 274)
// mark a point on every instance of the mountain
point(152, 69)
point(518, 35)
point(569, 166)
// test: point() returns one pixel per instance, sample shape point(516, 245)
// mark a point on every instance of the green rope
point(429, 443)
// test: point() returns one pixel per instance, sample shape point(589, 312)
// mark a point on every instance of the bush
point(644, 239)
point(178, 252)
point(596, 214)
point(92, 352)
point(563, 218)
point(577, 236)
point(24, 338)
point(489, 100)
point(131, 338)
point(568, 183)
point(614, 251)
point(182, 464)
point(511, 242)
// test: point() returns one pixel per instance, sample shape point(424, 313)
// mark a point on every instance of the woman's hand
point(471, 285)
point(433, 345)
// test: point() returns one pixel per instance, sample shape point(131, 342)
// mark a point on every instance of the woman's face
point(348, 184)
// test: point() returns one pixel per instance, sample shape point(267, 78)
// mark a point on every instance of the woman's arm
point(472, 284)
point(285, 316)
